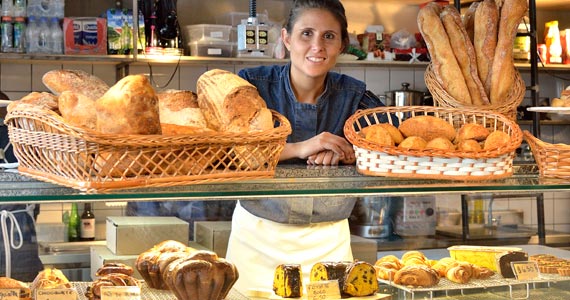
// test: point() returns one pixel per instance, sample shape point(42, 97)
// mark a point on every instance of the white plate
point(550, 109)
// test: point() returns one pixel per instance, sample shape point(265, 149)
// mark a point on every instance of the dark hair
point(332, 6)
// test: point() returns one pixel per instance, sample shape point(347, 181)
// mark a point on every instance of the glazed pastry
point(114, 267)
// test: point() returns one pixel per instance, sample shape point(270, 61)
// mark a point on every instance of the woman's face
point(314, 43)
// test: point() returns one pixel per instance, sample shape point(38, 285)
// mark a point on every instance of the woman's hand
point(325, 148)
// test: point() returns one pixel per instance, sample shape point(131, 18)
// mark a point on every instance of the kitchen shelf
point(289, 181)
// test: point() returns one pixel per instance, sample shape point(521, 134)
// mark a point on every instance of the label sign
point(321, 290)
point(120, 293)
point(525, 270)
point(9, 294)
point(59, 294)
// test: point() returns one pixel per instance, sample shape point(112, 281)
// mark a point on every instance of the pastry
point(413, 142)
point(93, 291)
point(504, 262)
point(469, 145)
point(378, 135)
point(440, 143)
point(288, 281)
point(460, 273)
point(324, 271)
point(50, 278)
point(496, 139)
point(114, 267)
point(427, 127)
point(480, 272)
point(360, 280)
point(416, 276)
point(386, 269)
point(472, 131)
point(10, 283)
point(443, 265)
point(443, 61)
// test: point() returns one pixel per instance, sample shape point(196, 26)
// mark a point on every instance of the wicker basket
point(553, 160)
point(377, 160)
point(50, 150)
point(507, 108)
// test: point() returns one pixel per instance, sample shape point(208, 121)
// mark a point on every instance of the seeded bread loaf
point(78, 81)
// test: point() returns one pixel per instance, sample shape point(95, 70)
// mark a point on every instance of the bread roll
point(464, 53)
point(427, 127)
point(228, 102)
point(468, 145)
point(443, 61)
point(180, 114)
point(496, 139)
point(503, 70)
point(129, 107)
point(78, 109)
point(413, 142)
point(440, 143)
point(58, 81)
point(472, 131)
point(485, 40)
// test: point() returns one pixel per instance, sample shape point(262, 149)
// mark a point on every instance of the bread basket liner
point(553, 160)
point(508, 107)
point(376, 160)
point(50, 150)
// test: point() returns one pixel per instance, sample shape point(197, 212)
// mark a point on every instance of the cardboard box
point(85, 35)
point(213, 235)
point(134, 235)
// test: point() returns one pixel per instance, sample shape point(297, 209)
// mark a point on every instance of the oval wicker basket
point(374, 159)
point(553, 160)
point(507, 107)
point(50, 150)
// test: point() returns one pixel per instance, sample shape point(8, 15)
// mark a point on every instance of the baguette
point(469, 20)
point(485, 40)
point(503, 69)
point(444, 63)
point(465, 54)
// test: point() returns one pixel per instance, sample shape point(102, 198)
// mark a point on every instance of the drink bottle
point(87, 224)
point(74, 221)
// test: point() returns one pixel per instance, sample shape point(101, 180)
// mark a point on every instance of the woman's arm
point(329, 148)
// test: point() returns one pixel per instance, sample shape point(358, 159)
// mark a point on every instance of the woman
point(317, 102)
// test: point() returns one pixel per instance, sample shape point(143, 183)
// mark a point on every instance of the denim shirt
point(343, 95)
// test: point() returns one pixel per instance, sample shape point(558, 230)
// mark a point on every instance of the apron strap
point(9, 241)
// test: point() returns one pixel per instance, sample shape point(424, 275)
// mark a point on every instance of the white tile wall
point(20, 79)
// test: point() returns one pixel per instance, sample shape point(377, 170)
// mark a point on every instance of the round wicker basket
point(507, 107)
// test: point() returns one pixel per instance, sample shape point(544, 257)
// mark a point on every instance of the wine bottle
point(73, 226)
point(87, 224)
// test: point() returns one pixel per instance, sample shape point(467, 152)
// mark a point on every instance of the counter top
point(289, 181)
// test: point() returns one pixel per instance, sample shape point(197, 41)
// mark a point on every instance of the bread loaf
point(469, 20)
point(485, 40)
point(179, 113)
point(58, 81)
point(288, 281)
point(10, 283)
point(360, 280)
point(78, 109)
point(228, 102)
point(324, 271)
point(129, 107)
point(503, 70)
point(37, 99)
point(464, 53)
point(444, 63)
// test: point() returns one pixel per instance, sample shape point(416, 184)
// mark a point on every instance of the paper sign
point(525, 270)
point(120, 293)
point(9, 294)
point(53, 294)
point(321, 290)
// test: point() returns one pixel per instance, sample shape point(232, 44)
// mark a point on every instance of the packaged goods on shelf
point(120, 31)
point(211, 49)
point(85, 35)
point(207, 33)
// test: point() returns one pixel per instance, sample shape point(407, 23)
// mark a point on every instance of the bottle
point(87, 231)
point(7, 31)
point(74, 221)
point(19, 39)
point(32, 35)
point(43, 36)
point(19, 8)
point(7, 8)
point(56, 39)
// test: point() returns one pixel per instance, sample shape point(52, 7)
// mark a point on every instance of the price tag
point(321, 290)
point(59, 294)
point(10, 294)
point(120, 293)
point(525, 270)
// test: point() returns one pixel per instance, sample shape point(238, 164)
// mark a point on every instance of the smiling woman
point(317, 102)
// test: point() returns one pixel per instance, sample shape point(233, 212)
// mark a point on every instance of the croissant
point(386, 270)
point(482, 272)
point(443, 265)
point(417, 276)
point(459, 274)
point(390, 258)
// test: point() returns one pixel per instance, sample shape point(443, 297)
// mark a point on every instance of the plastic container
point(211, 49)
point(484, 256)
point(235, 18)
point(207, 32)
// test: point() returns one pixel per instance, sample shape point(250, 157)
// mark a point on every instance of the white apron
point(257, 246)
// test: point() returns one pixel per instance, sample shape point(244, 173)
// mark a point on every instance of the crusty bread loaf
point(503, 69)
point(485, 40)
point(10, 283)
point(180, 114)
point(228, 102)
point(469, 19)
point(78, 81)
point(39, 99)
point(78, 109)
point(444, 63)
point(465, 54)
point(129, 107)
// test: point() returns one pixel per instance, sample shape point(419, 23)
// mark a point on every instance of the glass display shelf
point(289, 181)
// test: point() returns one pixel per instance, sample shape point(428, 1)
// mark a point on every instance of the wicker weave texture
point(50, 150)
point(374, 159)
point(553, 160)
point(508, 107)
